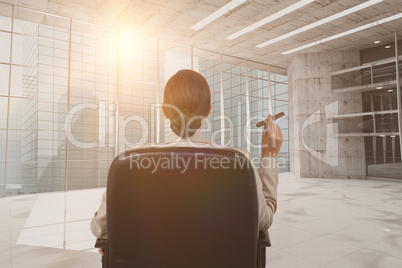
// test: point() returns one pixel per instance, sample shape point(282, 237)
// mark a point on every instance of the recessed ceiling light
point(220, 12)
point(393, 136)
point(377, 42)
point(387, 46)
point(390, 90)
point(382, 135)
point(317, 23)
point(378, 88)
point(270, 18)
point(358, 29)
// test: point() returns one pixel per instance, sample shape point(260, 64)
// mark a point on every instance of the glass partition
point(37, 103)
point(74, 94)
point(260, 101)
point(5, 43)
point(280, 104)
point(92, 92)
point(137, 89)
point(2, 160)
point(4, 79)
point(235, 98)
point(208, 64)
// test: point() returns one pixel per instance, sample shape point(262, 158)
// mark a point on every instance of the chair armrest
point(263, 239)
point(101, 243)
point(263, 242)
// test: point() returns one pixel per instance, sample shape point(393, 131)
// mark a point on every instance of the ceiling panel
point(171, 20)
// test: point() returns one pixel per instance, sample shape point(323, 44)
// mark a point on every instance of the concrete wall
point(318, 151)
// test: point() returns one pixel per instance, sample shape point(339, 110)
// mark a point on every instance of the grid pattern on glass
point(172, 58)
point(3, 112)
point(4, 77)
point(2, 159)
point(210, 69)
point(280, 104)
point(234, 97)
point(137, 89)
point(35, 159)
point(101, 74)
point(5, 43)
point(259, 106)
point(93, 83)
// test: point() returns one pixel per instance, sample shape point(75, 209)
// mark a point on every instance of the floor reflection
point(319, 223)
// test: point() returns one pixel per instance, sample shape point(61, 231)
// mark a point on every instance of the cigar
point(263, 122)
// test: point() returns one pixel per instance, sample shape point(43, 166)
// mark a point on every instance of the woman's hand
point(101, 252)
point(272, 139)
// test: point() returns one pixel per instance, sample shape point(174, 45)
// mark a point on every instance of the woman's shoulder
point(201, 145)
point(245, 152)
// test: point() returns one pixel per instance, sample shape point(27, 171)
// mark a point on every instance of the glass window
point(19, 77)
point(37, 146)
point(208, 65)
point(92, 108)
point(2, 159)
point(16, 120)
point(210, 69)
point(280, 89)
point(18, 49)
point(36, 155)
point(172, 58)
point(5, 43)
point(138, 88)
point(4, 77)
point(280, 78)
point(3, 112)
point(234, 87)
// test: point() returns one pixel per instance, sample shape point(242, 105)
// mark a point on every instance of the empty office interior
point(81, 82)
point(97, 76)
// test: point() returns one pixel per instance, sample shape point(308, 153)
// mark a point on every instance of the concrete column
point(315, 149)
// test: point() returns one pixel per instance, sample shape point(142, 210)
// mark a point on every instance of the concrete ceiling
point(171, 20)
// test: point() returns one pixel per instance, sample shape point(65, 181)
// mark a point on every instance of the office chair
point(200, 215)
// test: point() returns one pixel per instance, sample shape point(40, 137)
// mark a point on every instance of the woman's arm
point(267, 184)
point(98, 223)
point(268, 174)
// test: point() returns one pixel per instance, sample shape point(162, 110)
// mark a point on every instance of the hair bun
point(185, 125)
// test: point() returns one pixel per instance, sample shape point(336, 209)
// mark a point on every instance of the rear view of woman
point(187, 103)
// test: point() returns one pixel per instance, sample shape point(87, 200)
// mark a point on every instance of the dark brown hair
point(186, 102)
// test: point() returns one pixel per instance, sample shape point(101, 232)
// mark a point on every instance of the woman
point(186, 103)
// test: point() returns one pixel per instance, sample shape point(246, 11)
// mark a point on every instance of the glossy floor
point(319, 223)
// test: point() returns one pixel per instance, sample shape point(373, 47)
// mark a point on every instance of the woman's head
point(186, 102)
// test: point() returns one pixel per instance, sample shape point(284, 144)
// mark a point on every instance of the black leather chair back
point(166, 216)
